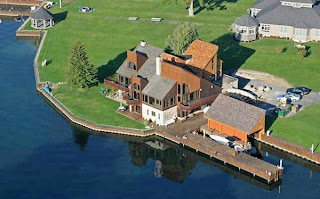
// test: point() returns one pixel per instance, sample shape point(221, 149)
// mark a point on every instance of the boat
point(0, 21)
point(239, 148)
point(220, 139)
point(18, 19)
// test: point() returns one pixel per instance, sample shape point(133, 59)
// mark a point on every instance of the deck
point(184, 133)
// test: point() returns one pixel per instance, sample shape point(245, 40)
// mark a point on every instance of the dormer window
point(132, 66)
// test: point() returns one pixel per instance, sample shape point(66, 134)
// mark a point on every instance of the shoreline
point(106, 129)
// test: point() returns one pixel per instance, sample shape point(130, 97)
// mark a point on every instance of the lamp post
point(60, 3)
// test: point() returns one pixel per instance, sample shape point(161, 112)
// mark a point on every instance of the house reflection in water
point(169, 162)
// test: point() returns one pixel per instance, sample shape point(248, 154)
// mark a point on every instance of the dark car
point(299, 90)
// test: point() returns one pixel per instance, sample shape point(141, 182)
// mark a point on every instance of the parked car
point(293, 97)
point(289, 96)
point(282, 98)
point(299, 90)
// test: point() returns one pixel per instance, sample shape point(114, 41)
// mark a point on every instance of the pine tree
point(181, 38)
point(80, 71)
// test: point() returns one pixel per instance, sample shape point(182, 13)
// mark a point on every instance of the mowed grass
point(101, 111)
point(107, 40)
point(302, 129)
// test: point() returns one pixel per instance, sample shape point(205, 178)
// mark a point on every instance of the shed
point(41, 19)
point(245, 28)
point(235, 118)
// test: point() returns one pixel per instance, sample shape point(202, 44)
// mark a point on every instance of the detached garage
point(235, 118)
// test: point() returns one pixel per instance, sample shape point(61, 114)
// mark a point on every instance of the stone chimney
point(158, 66)
point(143, 43)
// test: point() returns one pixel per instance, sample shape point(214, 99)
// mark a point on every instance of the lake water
point(43, 156)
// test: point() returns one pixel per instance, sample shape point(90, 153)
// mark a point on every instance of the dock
point(22, 2)
point(184, 135)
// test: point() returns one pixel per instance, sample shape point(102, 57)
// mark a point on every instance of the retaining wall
point(289, 147)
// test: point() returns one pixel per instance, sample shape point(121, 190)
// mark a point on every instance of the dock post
point(204, 133)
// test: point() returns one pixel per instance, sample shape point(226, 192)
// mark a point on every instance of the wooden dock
point(14, 13)
point(22, 2)
point(182, 134)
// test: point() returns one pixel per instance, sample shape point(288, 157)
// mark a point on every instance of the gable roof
point(148, 69)
point(201, 52)
point(158, 87)
point(41, 14)
point(235, 113)
point(262, 4)
point(286, 15)
point(247, 21)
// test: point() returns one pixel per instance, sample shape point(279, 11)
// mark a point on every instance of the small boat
point(18, 19)
point(220, 139)
point(239, 148)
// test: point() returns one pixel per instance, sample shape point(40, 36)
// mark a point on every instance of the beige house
point(298, 20)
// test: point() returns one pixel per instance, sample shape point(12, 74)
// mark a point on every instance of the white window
point(284, 29)
point(265, 28)
point(252, 31)
point(301, 32)
point(242, 30)
point(318, 33)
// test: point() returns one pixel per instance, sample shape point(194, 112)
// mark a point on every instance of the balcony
point(115, 84)
point(129, 100)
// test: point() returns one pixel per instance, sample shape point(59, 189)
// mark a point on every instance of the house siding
point(160, 116)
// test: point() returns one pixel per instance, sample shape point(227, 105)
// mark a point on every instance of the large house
point(159, 86)
point(293, 19)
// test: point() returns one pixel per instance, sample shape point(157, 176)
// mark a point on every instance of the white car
point(293, 97)
point(289, 96)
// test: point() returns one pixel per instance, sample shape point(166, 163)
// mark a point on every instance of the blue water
point(43, 156)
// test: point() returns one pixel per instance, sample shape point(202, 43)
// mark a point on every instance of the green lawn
point(102, 110)
point(107, 40)
point(302, 129)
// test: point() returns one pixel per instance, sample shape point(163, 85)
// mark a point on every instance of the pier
point(22, 2)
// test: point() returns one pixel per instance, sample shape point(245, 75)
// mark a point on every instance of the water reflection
point(171, 161)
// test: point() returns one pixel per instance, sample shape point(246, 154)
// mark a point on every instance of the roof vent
point(143, 43)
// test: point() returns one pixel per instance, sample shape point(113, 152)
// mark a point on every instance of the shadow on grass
point(111, 67)
point(232, 53)
point(58, 17)
point(270, 120)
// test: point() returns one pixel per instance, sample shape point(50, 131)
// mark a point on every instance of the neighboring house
point(233, 117)
point(159, 86)
point(294, 19)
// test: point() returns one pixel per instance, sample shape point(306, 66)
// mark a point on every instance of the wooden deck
point(183, 133)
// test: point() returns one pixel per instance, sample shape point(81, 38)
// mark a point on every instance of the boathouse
point(41, 19)
point(233, 117)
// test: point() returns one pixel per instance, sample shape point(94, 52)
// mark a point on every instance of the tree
point(181, 38)
point(188, 3)
point(80, 71)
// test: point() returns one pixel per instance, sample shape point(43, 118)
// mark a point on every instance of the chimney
point(158, 66)
point(143, 43)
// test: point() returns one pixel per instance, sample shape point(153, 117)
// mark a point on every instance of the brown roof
point(202, 52)
point(235, 113)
